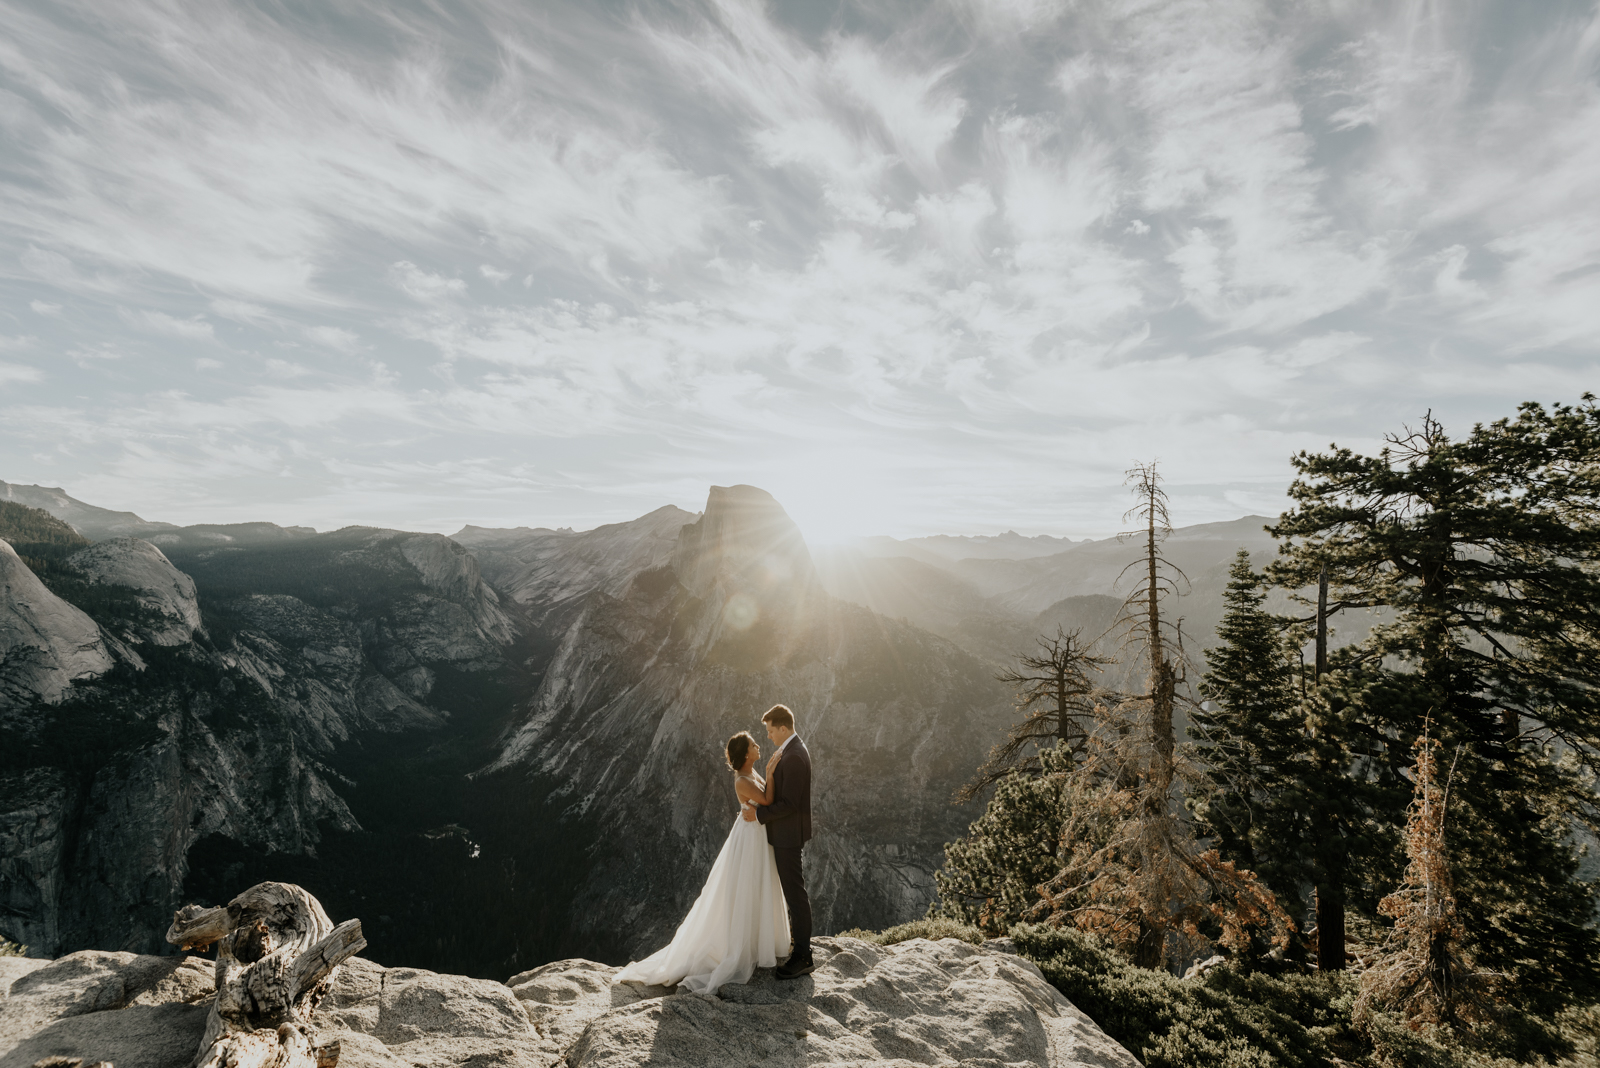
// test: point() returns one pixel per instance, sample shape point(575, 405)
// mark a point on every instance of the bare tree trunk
point(276, 953)
point(1163, 678)
point(1322, 622)
point(1152, 588)
point(1147, 952)
point(1330, 922)
point(1330, 888)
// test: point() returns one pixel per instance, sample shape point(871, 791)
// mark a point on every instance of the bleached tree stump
point(276, 953)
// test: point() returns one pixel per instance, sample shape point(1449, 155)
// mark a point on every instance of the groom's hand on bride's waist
point(749, 813)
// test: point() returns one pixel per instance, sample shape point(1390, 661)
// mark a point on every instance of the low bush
point(1223, 1019)
point(931, 929)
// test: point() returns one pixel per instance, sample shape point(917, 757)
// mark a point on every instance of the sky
point(940, 266)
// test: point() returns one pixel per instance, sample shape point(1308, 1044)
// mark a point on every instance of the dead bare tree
point(1134, 871)
point(277, 952)
point(1057, 694)
point(1424, 972)
point(1143, 626)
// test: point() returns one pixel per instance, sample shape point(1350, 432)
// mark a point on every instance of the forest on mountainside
point(42, 540)
point(1376, 843)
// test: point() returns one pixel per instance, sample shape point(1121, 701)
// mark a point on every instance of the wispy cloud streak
point(954, 264)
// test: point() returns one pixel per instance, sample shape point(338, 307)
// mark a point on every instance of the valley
point(503, 747)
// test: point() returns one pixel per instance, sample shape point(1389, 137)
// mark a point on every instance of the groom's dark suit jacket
point(788, 818)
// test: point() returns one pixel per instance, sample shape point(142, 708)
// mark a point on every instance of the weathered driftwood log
point(276, 951)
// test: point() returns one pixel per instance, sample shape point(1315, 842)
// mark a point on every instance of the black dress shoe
point(794, 969)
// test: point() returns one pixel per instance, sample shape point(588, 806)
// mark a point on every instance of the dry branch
point(276, 953)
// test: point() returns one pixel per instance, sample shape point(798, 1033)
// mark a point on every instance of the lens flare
point(741, 612)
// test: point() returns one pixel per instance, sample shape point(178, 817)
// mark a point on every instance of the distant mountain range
point(504, 746)
point(1007, 546)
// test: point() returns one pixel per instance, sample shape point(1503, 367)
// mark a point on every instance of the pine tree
point(1254, 802)
point(991, 876)
point(1485, 556)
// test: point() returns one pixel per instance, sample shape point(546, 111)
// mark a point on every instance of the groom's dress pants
point(793, 881)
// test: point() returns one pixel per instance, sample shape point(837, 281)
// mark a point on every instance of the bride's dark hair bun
point(738, 749)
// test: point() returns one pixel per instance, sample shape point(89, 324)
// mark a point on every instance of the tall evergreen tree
point(1484, 558)
point(1255, 800)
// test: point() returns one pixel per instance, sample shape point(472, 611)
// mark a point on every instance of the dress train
point(738, 923)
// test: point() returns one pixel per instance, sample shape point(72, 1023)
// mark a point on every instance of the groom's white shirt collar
point(786, 741)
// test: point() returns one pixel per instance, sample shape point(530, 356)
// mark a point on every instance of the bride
point(739, 921)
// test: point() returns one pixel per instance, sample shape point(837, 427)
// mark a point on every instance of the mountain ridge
point(511, 734)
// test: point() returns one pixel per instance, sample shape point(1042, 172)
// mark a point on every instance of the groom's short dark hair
point(779, 716)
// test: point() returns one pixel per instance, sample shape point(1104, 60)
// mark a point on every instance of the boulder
point(933, 1003)
point(134, 1011)
point(14, 968)
point(384, 1016)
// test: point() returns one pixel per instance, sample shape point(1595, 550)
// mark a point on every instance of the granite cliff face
point(166, 595)
point(46, 644)
point(653, 674)
point(168, 719)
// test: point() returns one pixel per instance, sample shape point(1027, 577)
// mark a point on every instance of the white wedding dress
point(738, 923)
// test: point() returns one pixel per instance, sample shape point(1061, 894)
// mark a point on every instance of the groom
point(788, 824)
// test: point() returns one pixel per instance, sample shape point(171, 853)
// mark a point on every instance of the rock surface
point(166, 594)
point(45, 643)
point(132, 1010)
point(934, 1003)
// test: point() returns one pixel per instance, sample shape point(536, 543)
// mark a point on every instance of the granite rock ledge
point(916, 1003)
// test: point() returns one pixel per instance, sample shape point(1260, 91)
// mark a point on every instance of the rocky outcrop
point(935, 1003)
point(45, 643)
point(452, 572)
point(170, 611)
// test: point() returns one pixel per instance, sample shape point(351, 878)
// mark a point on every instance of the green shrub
point(1224, 1020)
point(932, 929)
point(11, 949)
